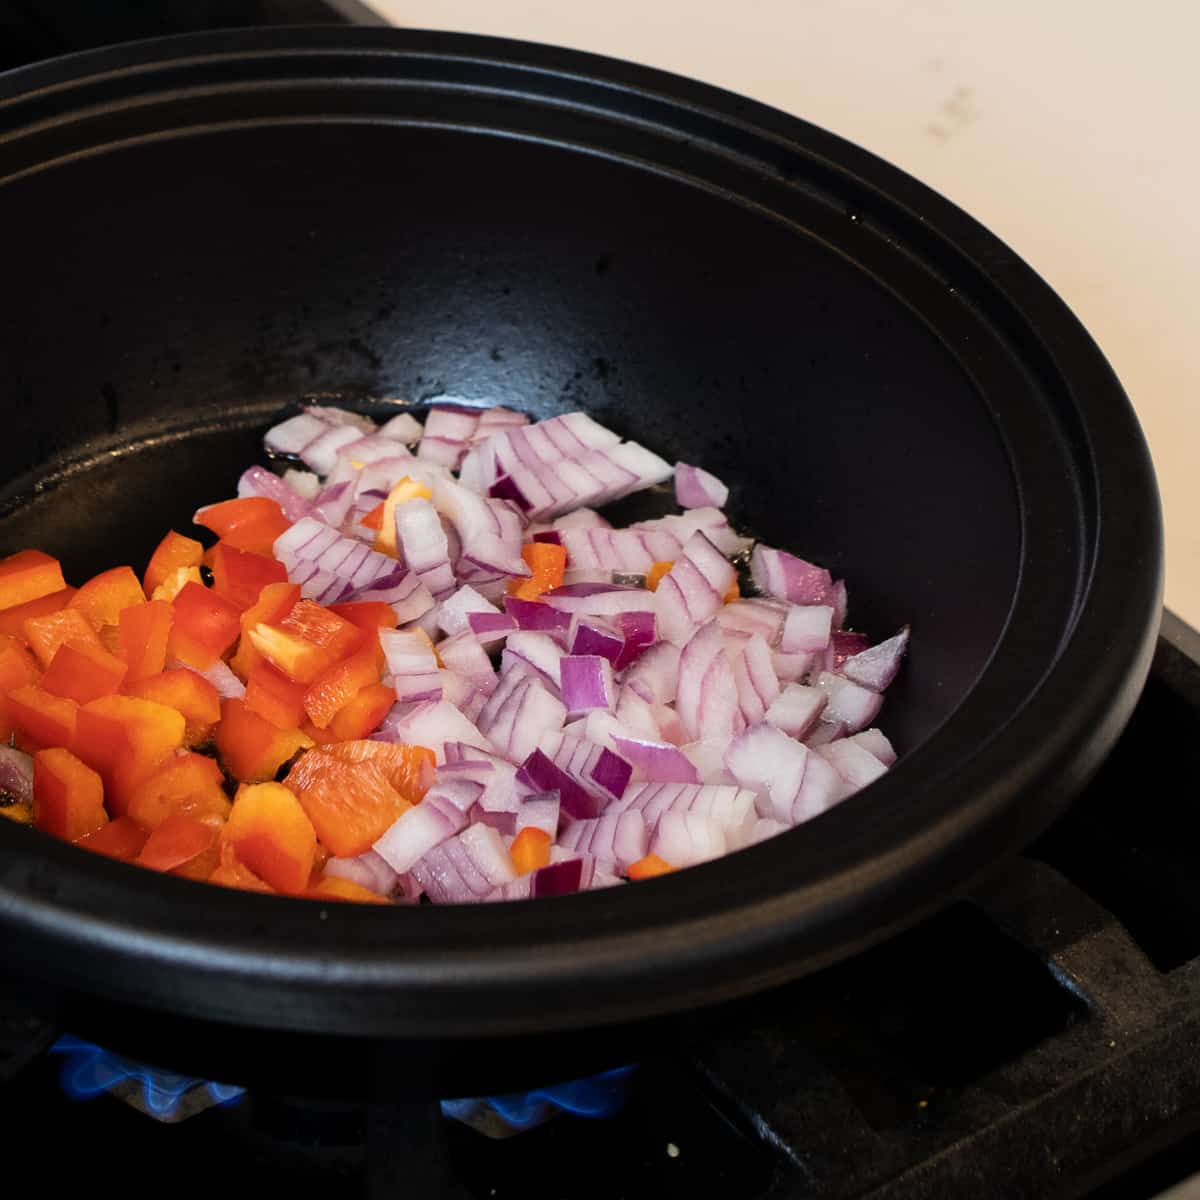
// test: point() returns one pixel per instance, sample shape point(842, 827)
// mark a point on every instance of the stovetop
point(1039, 1037)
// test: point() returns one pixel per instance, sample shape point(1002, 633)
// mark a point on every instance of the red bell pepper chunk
point(103, 598)
point(186, 783)
point(530, 850)
point(121, 839)
point(82, 672)
point(307, 642)
point(547, 561)
point(39, 718)
point(126, 739)
point(374, 519)
point(176, 841)
point(275, 697)
point(252, 523)
point(68, 796)
point(46, 634)
point(12, 620)
point(240, 575)
point(172, 553)
point(335, 688)
point(232, 873)
point(206, 625)
point(187, 693)
point(271, 833)
point(251, 748)
point(332, 887)
point(362, 715)
point(17, 669)
point(369, 615)
point(28, 575)
point(145, 630)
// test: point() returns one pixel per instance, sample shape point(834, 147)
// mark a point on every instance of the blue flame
point(90, 1070)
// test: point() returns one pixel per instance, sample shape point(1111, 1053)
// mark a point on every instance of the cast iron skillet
point(198, 231)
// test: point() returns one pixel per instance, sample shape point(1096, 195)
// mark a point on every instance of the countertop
point(1072, 130)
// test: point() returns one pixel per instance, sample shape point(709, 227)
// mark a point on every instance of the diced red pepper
point(39, 718)
point(274, 603)
point(68, 796)
point(374, 519)
point(187, 693)
point(232, 873)
point(307, 642)
point(334, 689)
point(122, 839)
point(28, 575)
point(649, 867)
point(252, 523)
point(657, 571)
point(251, 748)
point(240, 575)
point(351, 805)
point(530, 850)
point(175, 582)
point(409, 769)
point(17, 669)
point(405, 490)
point(103, 598)
point(206, 625)
point(368, 615)
point(175, 841)
point(273, 836)
point(12, 620)
point(46, 634)
point(363, 714)
point(144, 632)
point(547, 561)
point(173, 552)
point(82, 671)
point(331, 887)
point(275, 697)
point(186, 783)
point(126, 739)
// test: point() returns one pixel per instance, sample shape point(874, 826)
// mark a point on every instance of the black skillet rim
point(676, 942)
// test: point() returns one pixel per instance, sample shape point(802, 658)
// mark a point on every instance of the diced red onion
point(708, 758)
point(291, 436)
point(536, 617)
point(617, 838)
point(640, 717)
point(539, 811)
point(754, 678)
point(258, 481)
point(825, 732)
point(655, 676)
point(516, 717)
point(488, 540)
point(587, 683)
point(656, 762)
point(854, 763)
point(787, 577)
point(791, 668)
point(536, 652)
point(321, 453)
point(369, 870)
point(595, 767)
point(601, 548)
point(431, 724)
point(766, 827)
point(840, 602)
point(219, 674)
point(454, 612)
point(404, 428)
point(640, 630)
point(593, 635)
point(874, 741)
point(463, 654)
point(440, 815)
point(849, 702)
point(559, 879)
point(338, 417)
point(796, 710)
point(16, 775)
point(754, 615)
point(806, 628)
point(424, 547)
point(707, 700)
point(466, 867)
point(684, 839)
point(694, 589)
point(843, 645)
point(765, 759)
point(877, 667)
point(696, 488)
point(412, 664)
point(490, 628)
point(582, 518)
point(305, 484)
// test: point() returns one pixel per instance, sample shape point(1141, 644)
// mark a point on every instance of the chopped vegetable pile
point(439, 674)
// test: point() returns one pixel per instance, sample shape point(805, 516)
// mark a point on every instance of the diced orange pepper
point(251, 748)
point(274, 603)
point(335, 688)
point(361, 716)
point(351, 805)
point(200, 868)
point(319, 737)
point(734, 593)
point(275, 697)
point(409, 769)
point(103, 598)
point(374, 519)
point(121, 838)
point(232, 873)
point(245, 658)
point(186, 783)
point(367, 615)
point(12, 620)
point(175, 582)
point(240, 575)
point(17, 669)
point(206, 625)
point(145, 630)
point(18, 814)
point(39, 718)
point(187, 693)
point(68, 796)
point(308, 641)
point(252, 523)
point(126, 739)
point(547, 561)
point(82, 672)
point(110, 639)
point(403, 491)
point(28, 575)
point(649, 867)
point(176, 841)
point(530, 850)
point(271, 833)
point(657, 571)
point(330, 887)
point(46, 634)
point(173, 552)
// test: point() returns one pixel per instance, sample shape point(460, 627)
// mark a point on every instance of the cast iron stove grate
point(1040, 1037)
